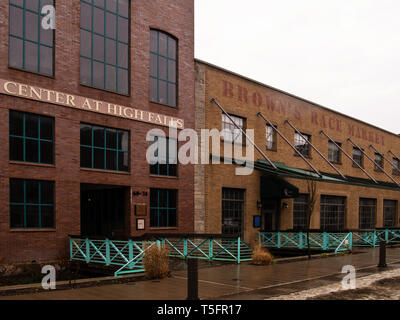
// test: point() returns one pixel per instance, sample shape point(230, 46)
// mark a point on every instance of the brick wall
point(174, 17)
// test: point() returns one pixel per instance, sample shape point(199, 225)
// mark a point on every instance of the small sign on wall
point(140, 210)
point(256, 221)
point(140, 224)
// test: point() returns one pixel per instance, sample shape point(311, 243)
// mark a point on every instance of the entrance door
point(102, 210)
point(270, 215)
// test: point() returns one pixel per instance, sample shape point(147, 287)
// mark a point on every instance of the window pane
point(123, 30)
point(32, 216)
point(162, 68)
point(32, 5)
point(16, 21)
point(32, 191)
point(16, 191)
point(111, 137)
point(172, 95)
point(46, 60)
point(123, 81)
point(47, 215)
point(31, 56)
point(86, 71)
point(46, 36)
point(153, 90)
point(47, 192)
point(163, 44)
point(32, 150)
point(86, 16)
point(86, 157)
point(153, 41)
point(16, 216)
point(86, 135)
point(111, 5)
point(153, 65)
point(111, 160)
point(98, 47)
point(98, 21)
point(111, 78)
point(46, 152)
point(31, 27)
point(46, 128)
point(16, 53)
point(98, 137)
point(111, 51)
point(99, 3)
point(16, 149)
point(16, 123)
point(123, 55)
point(86, 43)
point(98, 158)
point(171, 71)
point(111, 30)
point(31, 125)
point(123, 141)
point(162, 94)
point(123, 161)
point(98, 74)
point(123, 8)
point(172, 48)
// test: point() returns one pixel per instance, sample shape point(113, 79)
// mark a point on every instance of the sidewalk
point(237, 282)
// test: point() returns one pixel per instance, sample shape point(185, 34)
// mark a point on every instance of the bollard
point(382, 255)
point(193, 284)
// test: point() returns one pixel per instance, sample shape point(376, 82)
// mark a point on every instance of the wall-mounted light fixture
point(259, 204)
point(285, 205)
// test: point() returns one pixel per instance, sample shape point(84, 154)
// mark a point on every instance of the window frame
point(327, 204)
point(394, 219)
point(167, 208)
point(232, 126)
point(361, 163)
point(236, 197)
point(274, 141)
point(24, 138)
point(298, 138)
point(381, 163)
point(24, 39)
point(168, 165)
point(157, 78)
point(338, 159)
point(91, 60)
point(300, 204)
point(396, 170)
point(363, 215)
point(105, 148)
point(25, 204)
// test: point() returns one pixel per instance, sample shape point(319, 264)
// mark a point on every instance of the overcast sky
point(343, 54)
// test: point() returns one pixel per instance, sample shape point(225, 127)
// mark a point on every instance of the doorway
point(270, 215)
point(103, 210)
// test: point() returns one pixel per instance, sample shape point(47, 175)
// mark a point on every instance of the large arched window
point(163, 68)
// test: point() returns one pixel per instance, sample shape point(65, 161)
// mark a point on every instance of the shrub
point(156, 262)
point(261, 256)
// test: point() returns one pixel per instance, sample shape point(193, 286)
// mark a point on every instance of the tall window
point(230, 132)
point(104, 148)
point(378, 162)
point(163, 208)
point(163, 68)
point(300, 212)
point(232, 211)
point(167, 154)
point(367, 213)
point(271, 138)
point(31, 204)
point(396, 166)
point(31, 138)
point(301, 144)
point(31, 47)
point(389, 213)
point(105, 45)
point(333, 210)
point(334, 152)
point(358, 157)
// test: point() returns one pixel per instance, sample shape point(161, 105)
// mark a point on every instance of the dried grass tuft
point(156, 262)
point(261, 256)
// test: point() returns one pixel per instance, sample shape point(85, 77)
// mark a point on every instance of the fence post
point(351, 240)
point(185, 248)
point(108, 259)
point(279, 239)
point(238, 244)
point(301, 240)
point(70, 248)
point(387, 235)
point(193, 277)
point(130, 251)
point(324, 241)
point(87, 250)
point(210, 249)
point(382, 255)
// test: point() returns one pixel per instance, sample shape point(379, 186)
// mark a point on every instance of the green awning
point(274, 187)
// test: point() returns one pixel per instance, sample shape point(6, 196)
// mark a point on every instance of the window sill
point(156, 104)
point(163, 228)
point(105, 171)
point(105, 90)
point(337, 163)
point(164, 177)
point(33, 72)
point(33, 164)
point(32, 230)
point(307, 157)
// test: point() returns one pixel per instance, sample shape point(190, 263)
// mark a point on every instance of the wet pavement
point(234, 282)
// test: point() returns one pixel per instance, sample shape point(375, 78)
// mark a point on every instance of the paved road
point(241, 282)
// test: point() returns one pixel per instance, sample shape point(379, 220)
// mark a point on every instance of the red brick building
point(76, 103)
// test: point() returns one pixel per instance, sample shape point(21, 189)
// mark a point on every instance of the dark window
point(31, 138)
point(167, 154)
point(367, 212)
point(31, 204)
point(163, 68)
point(300, 212)
point(163, 208)
point(378, 162)
point(302, 144)
point(31, 47)
point(271, 138)
point(232, 211)
point(334, 152)
point(396, 166)
point(358, 157)
point(333, 210)
point(230, 132)
point(389, 213)
point(105, 45)
point(104, 148)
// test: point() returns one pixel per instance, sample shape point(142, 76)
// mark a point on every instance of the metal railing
point(325, 241)
point(128, 254)
point(329, 241)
